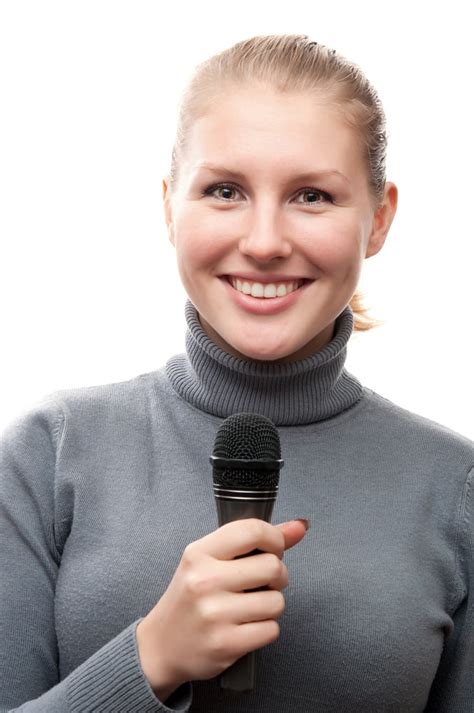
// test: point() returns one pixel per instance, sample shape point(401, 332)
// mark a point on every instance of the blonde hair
point(293, 63)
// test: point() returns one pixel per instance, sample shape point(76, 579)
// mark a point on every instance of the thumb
point(294, 531)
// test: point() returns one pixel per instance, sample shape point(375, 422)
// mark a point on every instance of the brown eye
point(315, 192)
point(222, 187)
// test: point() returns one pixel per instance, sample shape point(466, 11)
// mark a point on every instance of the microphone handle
point(241, 675)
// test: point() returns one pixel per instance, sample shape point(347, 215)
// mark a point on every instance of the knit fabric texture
point(102, 488)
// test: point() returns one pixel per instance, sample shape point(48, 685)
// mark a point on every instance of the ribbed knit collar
point(300, 392)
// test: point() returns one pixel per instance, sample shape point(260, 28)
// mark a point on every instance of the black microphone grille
point(252, 437)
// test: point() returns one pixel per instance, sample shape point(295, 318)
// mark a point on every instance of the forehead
point(269, 131)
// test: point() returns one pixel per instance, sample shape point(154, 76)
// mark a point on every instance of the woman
point(118, 591)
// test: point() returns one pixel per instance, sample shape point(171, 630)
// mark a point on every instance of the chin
point(263, 354)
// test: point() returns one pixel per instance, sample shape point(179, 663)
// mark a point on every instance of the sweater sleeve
point(110, 680)
point(453, 687)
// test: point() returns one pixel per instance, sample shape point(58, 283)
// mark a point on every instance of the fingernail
point(306, 522)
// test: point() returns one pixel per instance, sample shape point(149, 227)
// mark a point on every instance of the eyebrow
point(307, 176)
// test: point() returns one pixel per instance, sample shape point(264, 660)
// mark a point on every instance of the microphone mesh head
point(247, 436)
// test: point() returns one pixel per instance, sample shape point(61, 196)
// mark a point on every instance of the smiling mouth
point(267, 290)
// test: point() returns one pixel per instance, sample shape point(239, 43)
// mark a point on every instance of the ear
point(382, 220)
point(168, 209)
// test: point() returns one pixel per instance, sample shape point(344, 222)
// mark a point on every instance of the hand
point(206, 620)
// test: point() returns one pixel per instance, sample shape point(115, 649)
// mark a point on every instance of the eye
point(316, 192)
point(231, 187)
point(219, 186)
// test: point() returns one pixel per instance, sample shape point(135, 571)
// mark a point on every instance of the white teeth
point(270, 291)
point(259, 289)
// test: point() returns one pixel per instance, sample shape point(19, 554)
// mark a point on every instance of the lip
point(267, 278)
point(264, 305)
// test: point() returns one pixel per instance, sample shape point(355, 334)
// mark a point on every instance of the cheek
point(197, 257)
point(198, 241)
point(334, 248)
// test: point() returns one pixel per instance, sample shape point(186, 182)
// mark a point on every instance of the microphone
point(246, 464)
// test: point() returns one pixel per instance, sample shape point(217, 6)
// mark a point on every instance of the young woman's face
point(253, 222)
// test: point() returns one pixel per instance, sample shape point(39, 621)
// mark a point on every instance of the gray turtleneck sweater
point(101, 489)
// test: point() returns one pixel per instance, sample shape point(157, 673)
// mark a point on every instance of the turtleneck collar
point(300, 392)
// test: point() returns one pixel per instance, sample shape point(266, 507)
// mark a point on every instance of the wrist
point(155, 669)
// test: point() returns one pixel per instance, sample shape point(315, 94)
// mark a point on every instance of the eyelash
point(210, 189)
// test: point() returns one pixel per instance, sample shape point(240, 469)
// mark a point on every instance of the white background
point(89, 291)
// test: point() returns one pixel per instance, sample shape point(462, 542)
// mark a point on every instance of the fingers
point(262, 570)
point(244, 608)
point(293, 532)
point(254, 635)
point(240, 537)
point(243, 536)
point(233, 641)
point(204, 576)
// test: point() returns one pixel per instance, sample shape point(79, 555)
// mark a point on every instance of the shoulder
point(100, 399)
point(89, 407)
point(416, 434)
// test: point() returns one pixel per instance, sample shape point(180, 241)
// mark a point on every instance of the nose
point(265, 240)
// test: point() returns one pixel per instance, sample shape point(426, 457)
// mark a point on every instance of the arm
point(453, 687)
point(30, 557)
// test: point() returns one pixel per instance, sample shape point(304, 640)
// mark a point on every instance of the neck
point(314, 388)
